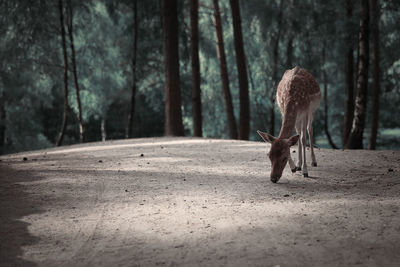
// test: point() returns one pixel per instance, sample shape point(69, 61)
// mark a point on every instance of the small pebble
point(25, 158)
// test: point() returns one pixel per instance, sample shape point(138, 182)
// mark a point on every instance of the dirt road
point(196, 202)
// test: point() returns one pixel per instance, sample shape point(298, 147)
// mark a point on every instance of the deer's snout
point(275, 178)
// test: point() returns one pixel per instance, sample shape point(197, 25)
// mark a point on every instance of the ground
point(196, 202)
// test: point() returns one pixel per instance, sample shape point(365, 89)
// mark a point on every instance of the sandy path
point(196, 202)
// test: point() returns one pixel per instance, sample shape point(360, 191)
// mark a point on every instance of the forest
point(84, 71)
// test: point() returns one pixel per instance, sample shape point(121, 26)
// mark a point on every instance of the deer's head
point(279, 153)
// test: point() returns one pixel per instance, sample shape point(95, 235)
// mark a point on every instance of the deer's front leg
point(299, 148)
point(291, 164)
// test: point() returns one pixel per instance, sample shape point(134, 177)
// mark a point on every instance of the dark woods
point(74, 71)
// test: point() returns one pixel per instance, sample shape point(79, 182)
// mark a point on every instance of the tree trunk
point(290, 33)
point(355, 139)
point(325, 78)
point(2, 121)
point(252, 86)
point(194, 50)
point(77, 90)
point(376, 83)
point(64, 49)
point(224, 73)
point(103, 129)
point(349, 102)
point(275, 57)
point(257, 110)
point(289, 53)
point(128, 130)
point(173, 109)
point(244, 118)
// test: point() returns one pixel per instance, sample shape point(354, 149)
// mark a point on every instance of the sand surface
point(196, 202)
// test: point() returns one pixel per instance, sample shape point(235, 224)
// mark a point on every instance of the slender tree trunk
point(2, 120)
point(74, 71)
point(128, 130)
point(355, 139)
point(275, 57)
point(289, 46)
point(244, 118)
point(173, 109)
point(376, 84)
point(253, 94)
point(326, 126)
point(103, 129)
point(289, 53)
point(325, 78)
point(64, 50)
point(224, 73)
point(349, 103)
point(194, 50)
point(252, 86)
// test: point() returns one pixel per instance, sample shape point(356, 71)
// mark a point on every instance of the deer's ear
point(293, 140)
point(266, 137)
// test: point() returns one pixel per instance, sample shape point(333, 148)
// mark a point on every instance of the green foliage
point(31, 66)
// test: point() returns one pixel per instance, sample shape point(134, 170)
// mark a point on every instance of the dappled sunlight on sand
point(162, 201)
point(130, 143)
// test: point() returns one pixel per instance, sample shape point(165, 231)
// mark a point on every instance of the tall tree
point(349, 102)
point(194, 50)
point(355, 139)
point(289, 52)
point(224, 72)
point(74, 71)
point(128, 130)
point(2, 120)
point(244, 117)
point(290, 32)
point(275, 57)
point(64, 51)
point(325, 81)
point(173, 109)
point(376, 84)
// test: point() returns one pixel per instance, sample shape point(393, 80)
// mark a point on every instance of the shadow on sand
point(16, 203)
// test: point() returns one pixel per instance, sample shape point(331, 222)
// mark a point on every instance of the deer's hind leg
point(310, 135)
point(300, 147)
point(303, 139)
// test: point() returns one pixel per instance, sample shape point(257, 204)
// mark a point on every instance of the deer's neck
point(288, 121)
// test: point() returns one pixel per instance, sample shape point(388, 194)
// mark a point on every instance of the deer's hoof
point(305, 174)
point(298, 168)
point(314, 164)
point(293, 170)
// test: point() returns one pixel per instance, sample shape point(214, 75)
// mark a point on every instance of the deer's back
point(299, 88)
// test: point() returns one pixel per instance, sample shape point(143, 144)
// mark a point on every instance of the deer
point(298, 97)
